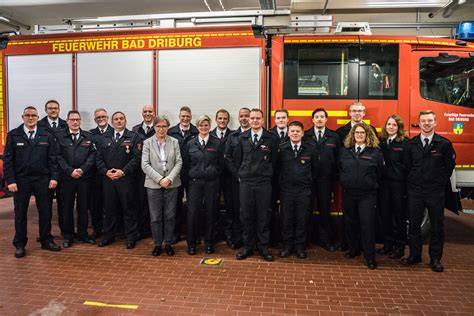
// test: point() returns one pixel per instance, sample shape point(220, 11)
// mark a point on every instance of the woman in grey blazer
point(161, 163)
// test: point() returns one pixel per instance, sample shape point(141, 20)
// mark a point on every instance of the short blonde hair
point(202, 119)
point(356, 103)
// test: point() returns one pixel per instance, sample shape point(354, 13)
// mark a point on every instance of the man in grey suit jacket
point(161, 163)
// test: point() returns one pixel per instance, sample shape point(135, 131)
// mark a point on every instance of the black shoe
point(20, 252)
point(384, 250)
point(169, 250)
point(285, 253)
point(409, 261)
point(51, 246)
point(396, 254)
point(436, 265)
point(106, 242)
point(236, 245)
point(371, 264)
point(67, 243)
point(131, 244)
point(192, 251)
point(301, 254)
point(243, 254)
point(328, 247)
point(87, 240)
point(156, 251)
point(266, 255)
point(352, 254)
point(209, 249)
point(343, 246)
point(96, 234)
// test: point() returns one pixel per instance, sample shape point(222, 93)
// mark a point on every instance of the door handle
point(416, 125)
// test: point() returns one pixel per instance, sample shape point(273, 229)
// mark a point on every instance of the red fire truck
point(208, 68)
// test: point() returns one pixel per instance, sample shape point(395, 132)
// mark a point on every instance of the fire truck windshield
point(450, 83)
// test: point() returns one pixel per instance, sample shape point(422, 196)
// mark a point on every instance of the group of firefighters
point(133, 182)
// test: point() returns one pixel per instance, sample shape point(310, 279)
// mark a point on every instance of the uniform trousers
point(75, 190)
point(359, 221)
point(162, 204)
point(202, 192)
point(233, 223)
point(96, 206)
point(118, 196)
point(256, 214)
point(37, 186)
point(393, 213)
point(295, 215)
point(143, 216)
point(417, 202)
point(323, 190)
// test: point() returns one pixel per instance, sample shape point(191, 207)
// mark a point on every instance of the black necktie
point(102, 131)
point(147, 129)
point(390, 141)
point(31, 135)
point(54, 125)
point(255, 138)
point(295, 150)
point(185, 132)
point(203, 143)
point(282, 134)
point(222, 135)
point(74, 137)
point(426, 143)
point(320, 136)
point(117, 137)
point(358, 150)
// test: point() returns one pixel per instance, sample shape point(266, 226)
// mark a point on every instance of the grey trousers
point(162, 205)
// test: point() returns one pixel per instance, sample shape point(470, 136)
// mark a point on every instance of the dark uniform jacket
point(226, 134)
point(229, 152)
point(274, 132)
point(344, 131)
point(78, 155)
point(175, 132)
point(23, 158)
point(360, 173)
point(43, 123)
point(430, 169)
point(327, 153)
point(296, 174)
point(394, 157)
point(203, 163)
point(96, 131)
point(124, 154)
point(142, 133)
point(256, 162)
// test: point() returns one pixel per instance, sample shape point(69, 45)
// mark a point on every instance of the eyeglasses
point(52, 109)
point(30, 115)
point(100, 117)
point(357, 111)
point(357, 132)
point(161, 126)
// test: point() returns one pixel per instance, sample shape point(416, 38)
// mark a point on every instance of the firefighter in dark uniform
point(297, 167)
point(182, 131)
point(361, 168)
point(29, 165)
point(96, 197)
point(393, 188)
point(234, 223)
point(145, 130)
point(328, 144)
point(118, 157)
point(280, 131)
point(223, 220)
point(53, 124)
point(430, 161)
point(255, 159)
point(357, 114)
point(76, 157)
point(203, 162)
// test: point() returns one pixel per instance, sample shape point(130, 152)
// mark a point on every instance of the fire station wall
point(35, 79)
point(207, 80)
point(116, 81)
